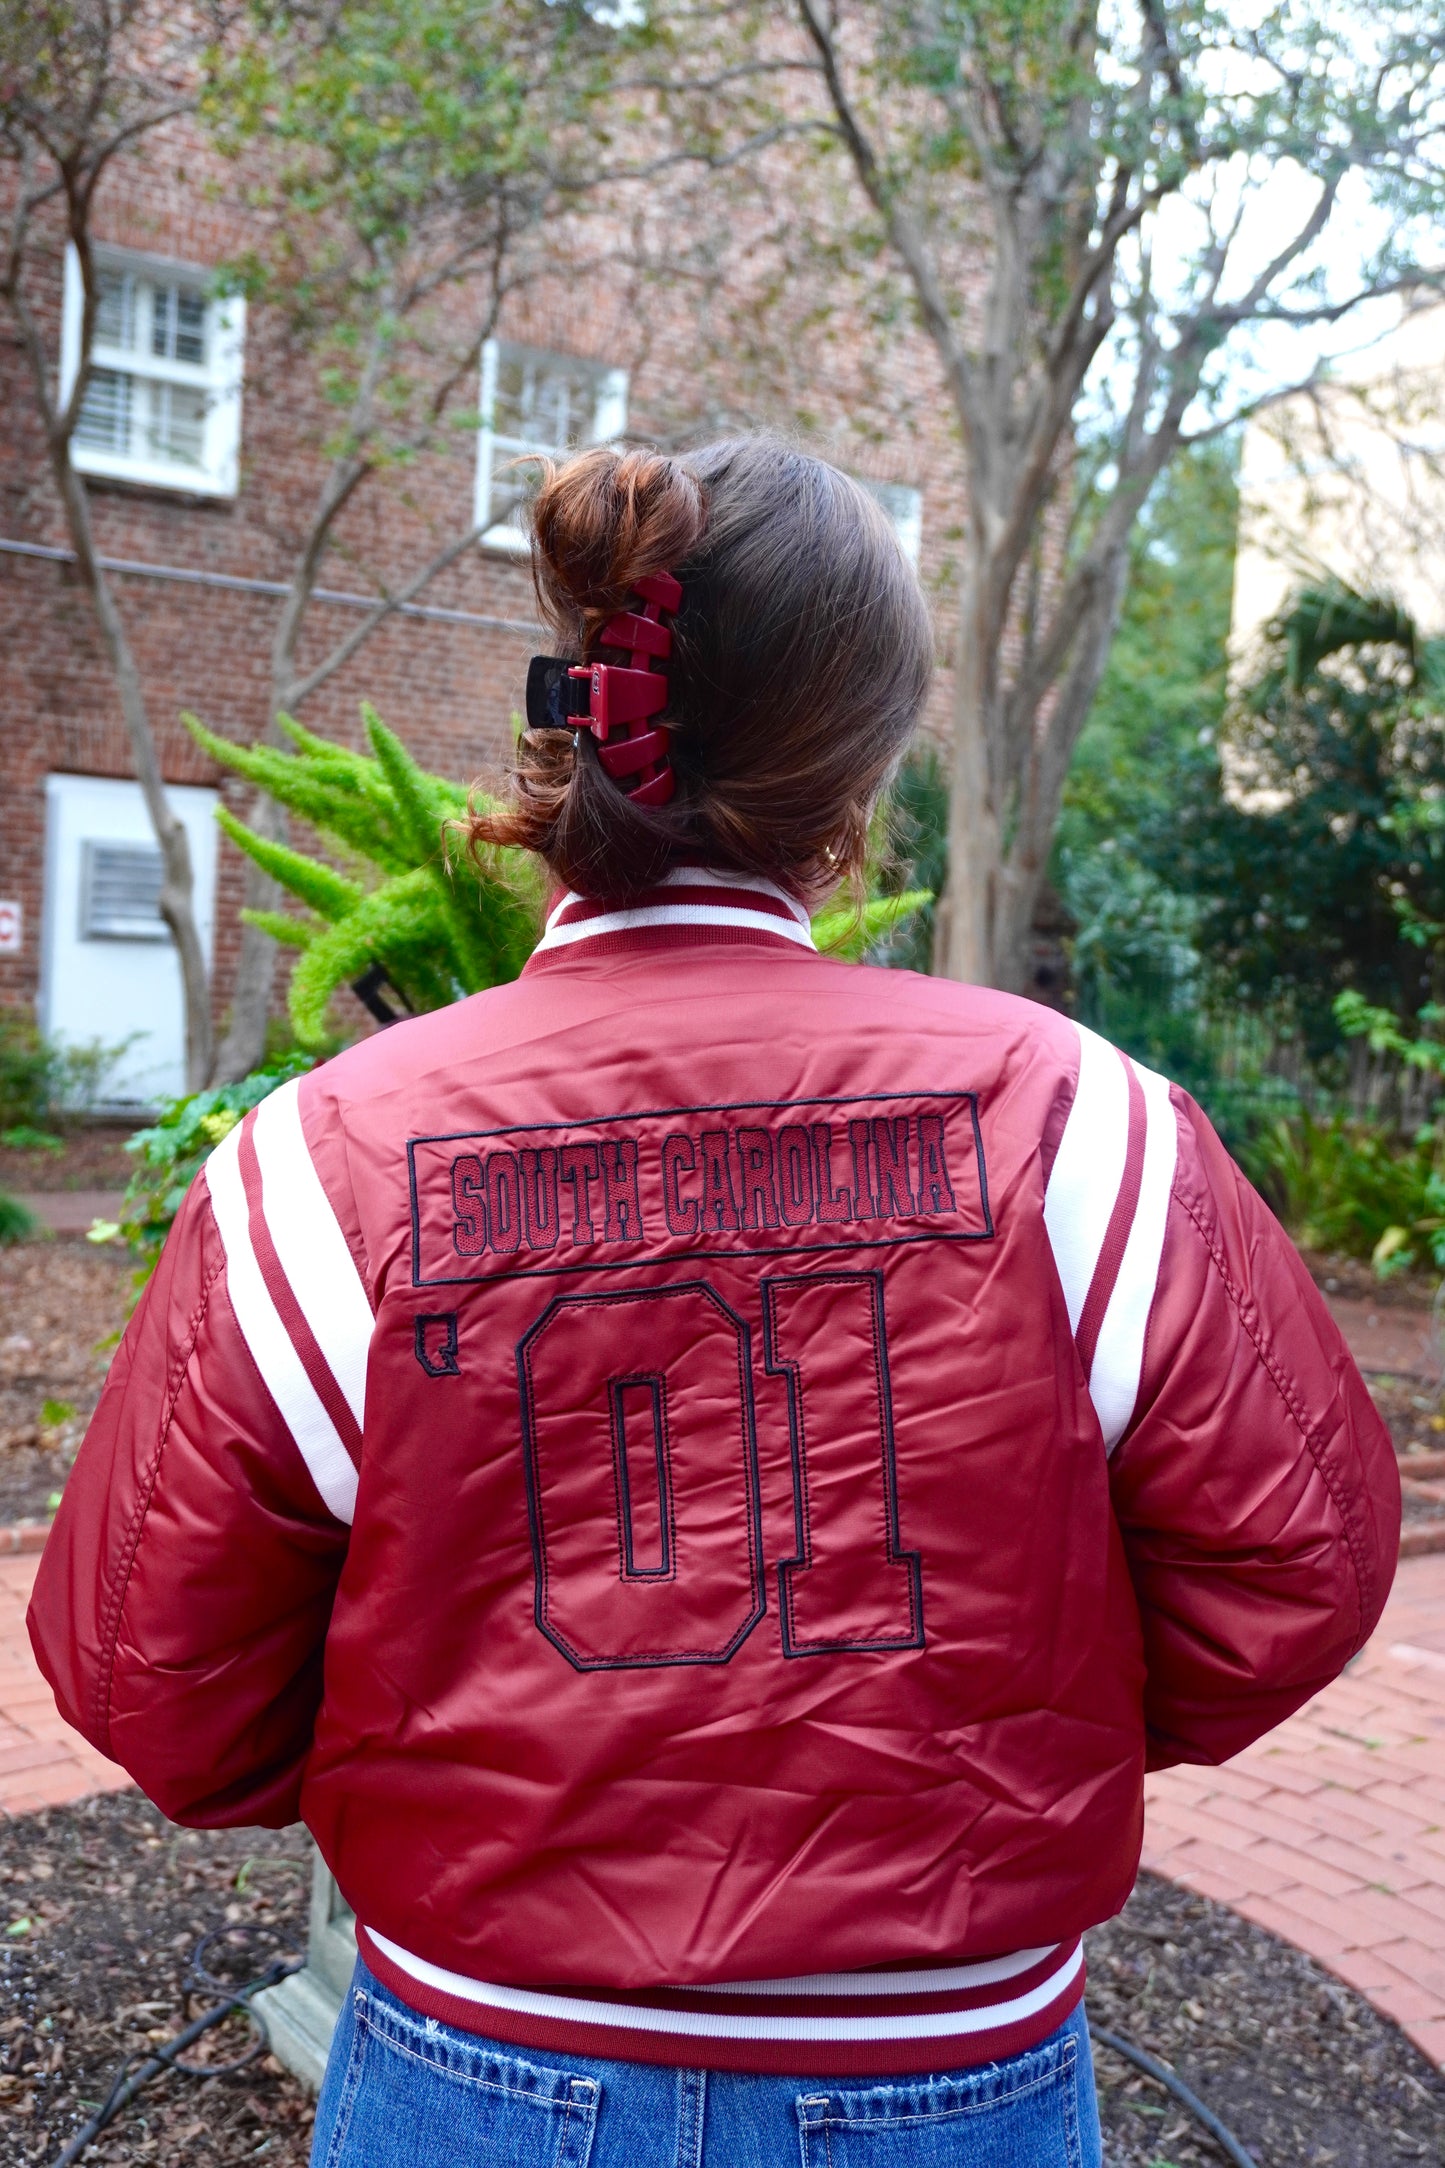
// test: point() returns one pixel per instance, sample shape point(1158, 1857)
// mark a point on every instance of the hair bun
point(602, 522)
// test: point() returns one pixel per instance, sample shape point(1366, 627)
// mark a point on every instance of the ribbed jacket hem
point(883, 2024)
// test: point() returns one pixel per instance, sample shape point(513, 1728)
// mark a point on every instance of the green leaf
point(290, 932)
point(402, 912)
point(423, 810)
point(327, 892)
point(843, 931)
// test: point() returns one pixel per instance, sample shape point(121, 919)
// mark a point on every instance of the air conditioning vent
point(120, 890)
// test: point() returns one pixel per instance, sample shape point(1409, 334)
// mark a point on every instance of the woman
point(706, 1475)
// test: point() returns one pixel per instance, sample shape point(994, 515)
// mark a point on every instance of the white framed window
point(536, 403)
point(163, 401)
point(904, 506)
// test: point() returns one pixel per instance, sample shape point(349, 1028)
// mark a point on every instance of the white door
point(109, 970)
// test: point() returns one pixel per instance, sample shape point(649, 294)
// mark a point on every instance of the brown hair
point(801, 657)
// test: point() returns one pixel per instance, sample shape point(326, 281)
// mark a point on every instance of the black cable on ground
point(138, 2071)
point(1163, 2075)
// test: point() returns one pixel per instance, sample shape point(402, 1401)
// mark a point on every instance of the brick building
point(201, 460)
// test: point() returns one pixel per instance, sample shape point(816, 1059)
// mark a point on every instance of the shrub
point(27, 1066)
point(399, 901)
point(41, 1080)
point(15, 1221)
point(172, 1151)
point(413, 914)
point(1344, 1185)
point(914, 855)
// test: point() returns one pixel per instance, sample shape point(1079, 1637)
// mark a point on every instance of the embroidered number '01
point(642, 1474)
point(849, 1586)
point(668, 1426)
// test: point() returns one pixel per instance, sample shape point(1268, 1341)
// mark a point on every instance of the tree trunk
point(963, 940)
point(985, 930)
point(177, 896)
point(244, 1045)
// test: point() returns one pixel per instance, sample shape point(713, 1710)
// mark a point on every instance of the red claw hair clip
point(613, 701)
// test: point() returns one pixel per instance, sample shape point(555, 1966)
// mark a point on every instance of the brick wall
point(448, 688)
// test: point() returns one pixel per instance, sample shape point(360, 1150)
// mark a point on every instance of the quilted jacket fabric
point(706, 1475)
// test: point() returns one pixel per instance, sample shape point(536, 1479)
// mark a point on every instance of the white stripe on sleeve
point(1088, 1169)
point(281, 1368)
point(315, 1255)
point(1119, 1351)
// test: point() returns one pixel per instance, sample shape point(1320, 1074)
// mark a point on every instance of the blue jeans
point(403, 2091)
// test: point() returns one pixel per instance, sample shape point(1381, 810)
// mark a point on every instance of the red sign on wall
point(11, 923)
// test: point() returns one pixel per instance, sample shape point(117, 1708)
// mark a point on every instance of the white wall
point(109, 989)
point(1348, 484)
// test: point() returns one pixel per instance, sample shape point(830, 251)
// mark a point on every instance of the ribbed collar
point(689, 905)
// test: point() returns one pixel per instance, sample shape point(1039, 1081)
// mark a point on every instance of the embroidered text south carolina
point(809, 1174)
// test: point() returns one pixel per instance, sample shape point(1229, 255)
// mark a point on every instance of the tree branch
point(386, 607)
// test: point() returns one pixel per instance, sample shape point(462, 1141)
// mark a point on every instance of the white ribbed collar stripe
point(674, 914)
point(707, 877)
point(282, 1371)
point(726, 2025)
point(314, 1253)
point(789, 920)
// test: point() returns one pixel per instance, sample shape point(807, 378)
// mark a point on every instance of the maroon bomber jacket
point(706, 1475)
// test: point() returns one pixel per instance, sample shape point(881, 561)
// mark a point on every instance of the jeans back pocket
point(1023, 2113)
point(410, 2093)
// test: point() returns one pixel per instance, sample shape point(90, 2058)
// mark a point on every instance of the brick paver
point(72, 1211)
point(42, 1761)
point(1331, 1831)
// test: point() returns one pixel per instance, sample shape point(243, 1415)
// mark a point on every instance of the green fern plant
point(405, 899)
point(841, 930)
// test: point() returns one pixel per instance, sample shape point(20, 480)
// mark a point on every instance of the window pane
point(178, 324)
point(115, 308)
point(177, 424)
point(541, 403)
point(544, 403)
point(511, 411)
point(904, 507)
point(105, 411)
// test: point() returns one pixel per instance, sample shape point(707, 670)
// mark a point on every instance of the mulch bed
point(114, 1900)
point(104, 1904)
point(60, 1303)
point(93, 1156)
point(1357, 1278)
point(1301, 2069)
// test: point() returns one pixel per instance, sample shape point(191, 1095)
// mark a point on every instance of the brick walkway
point(1330, 1832)
point(42, 1761)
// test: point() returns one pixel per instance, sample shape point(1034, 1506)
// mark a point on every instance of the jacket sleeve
point(1255, 1485)
point(183, 1597)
